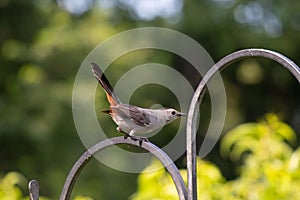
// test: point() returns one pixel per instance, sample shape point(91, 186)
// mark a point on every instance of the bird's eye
point(173, 113)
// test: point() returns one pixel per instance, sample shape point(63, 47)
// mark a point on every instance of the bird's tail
point(98, 73)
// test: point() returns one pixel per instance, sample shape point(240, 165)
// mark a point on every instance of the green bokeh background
point(43, 42)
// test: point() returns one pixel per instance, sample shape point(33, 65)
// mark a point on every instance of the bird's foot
point(140, 139)
point(145, 139)
point(133, 137)
point(126, 136)
point(136, 138)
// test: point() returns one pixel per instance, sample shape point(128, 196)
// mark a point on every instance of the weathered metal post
point(198, 96)
point(153, 149)
point(33, 188)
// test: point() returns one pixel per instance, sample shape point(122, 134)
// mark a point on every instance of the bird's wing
point(138, 115)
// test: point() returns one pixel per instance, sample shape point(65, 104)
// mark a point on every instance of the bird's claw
point(145, 139)
point(126, 136)
point(136, 138)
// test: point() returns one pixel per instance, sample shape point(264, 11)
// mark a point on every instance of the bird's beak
point(181, 114)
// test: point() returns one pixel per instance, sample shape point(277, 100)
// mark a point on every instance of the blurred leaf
point(8, 186)
point(247, 132)
point(248, 137)
point(12, 186)
point(294, 163)
point(82, 198)
point(281, 129)
point(159, 185)
point(155, 185)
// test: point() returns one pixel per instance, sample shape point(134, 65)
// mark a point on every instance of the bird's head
point(172, 114)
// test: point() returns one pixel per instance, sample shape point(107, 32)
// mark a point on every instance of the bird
point(132, 120)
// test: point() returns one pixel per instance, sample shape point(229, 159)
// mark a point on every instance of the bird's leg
point(137, 138)
point(145, 139)
point(133, 137)
point(140, 139)
point(126, 134)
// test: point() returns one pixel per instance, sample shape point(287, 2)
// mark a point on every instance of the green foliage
point(155, 185)
point(159, 184)
point(12, 187)
point(82, 198)
point(270, 170)
point(8, 186)
point(265, 136)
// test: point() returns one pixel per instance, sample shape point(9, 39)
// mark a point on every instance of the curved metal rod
point(200, 91)
point(33, 187)
point(153, 149)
